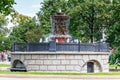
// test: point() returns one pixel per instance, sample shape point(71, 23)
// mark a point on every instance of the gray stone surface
point(62, 61)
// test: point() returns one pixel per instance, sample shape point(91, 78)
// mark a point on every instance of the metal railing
point(53, 46)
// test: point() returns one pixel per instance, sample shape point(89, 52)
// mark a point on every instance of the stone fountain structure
point(58, 55)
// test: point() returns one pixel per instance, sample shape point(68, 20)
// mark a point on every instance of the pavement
point(5, 62)
point(59, 77)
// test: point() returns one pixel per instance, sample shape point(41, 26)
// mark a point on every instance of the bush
point(115, 58)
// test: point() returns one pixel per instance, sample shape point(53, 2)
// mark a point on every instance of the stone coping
point(45, 53)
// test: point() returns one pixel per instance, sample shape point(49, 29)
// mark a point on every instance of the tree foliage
point(49, 8)
point(88, 18)
point(6, 6)
point(18, 18)
point(113, 31)
point(3, 21)
point(25, 31)
point(33, 35)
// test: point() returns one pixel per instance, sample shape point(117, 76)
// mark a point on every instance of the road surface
point(56, 77)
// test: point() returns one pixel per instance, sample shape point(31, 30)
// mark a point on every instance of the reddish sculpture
point(60, 23)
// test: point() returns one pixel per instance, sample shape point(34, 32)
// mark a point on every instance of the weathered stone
point(70, 68)
point(43, 57)
point(48, 62)
point(60, 56)
point(74, 62)
point(92, 57)
point(103, 57)
point(65, 61)
point(69, 57)
point(28, 57)
point(51, 56)
point(43, 68)
point(78, 57)
point(33, 67)
point(77, 68)
point(61, 68)
point(22, 57)
point(83, 68)
point(35, 56)
point(86, 58)
point(98, 57)
point(105, 62)
point(52, 68)
point(31, 61)
point(57, 62)
point(26, 62)
point(81, 62)
point(39, 62)
point(17, 56)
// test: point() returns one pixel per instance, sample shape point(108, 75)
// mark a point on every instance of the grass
point(62, 73)
point(113, 66)
point(59, 73)
point(4, 65)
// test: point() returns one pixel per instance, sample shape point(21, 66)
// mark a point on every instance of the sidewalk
point(5, 62)
point(84, 77)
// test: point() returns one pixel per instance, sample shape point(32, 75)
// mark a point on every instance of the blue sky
point(28, 7)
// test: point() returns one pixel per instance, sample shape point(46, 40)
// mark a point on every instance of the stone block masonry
point(62, 61)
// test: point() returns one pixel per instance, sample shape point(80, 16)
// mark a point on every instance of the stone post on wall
point(52, 46)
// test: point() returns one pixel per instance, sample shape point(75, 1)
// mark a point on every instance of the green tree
point(87, 17)
point(49, 8)
point(18, 18)
point(6, 6)
point(113, 36)
point(33, 35)
point(25, 28)
point(3, 21)
point(6, 42)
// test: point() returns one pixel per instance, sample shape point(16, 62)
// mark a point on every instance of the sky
point(28, 7)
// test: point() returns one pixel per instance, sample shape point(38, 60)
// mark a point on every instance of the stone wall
point(62, 61)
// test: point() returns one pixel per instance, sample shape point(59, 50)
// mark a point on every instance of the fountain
point(60, 23)
point(57, 55)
